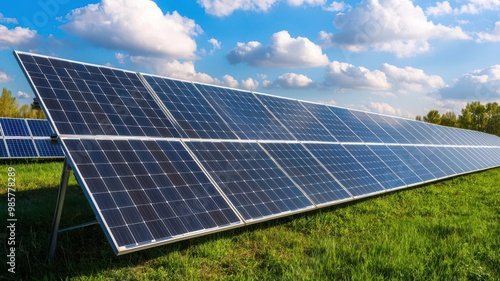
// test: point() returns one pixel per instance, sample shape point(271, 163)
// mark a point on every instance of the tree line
point(9, 107)
point(475, 116)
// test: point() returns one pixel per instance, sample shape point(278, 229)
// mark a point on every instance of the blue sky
point(397, 57)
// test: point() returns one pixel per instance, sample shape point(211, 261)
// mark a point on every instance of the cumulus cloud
point(337, 7)
point(136, 26)
point(409, 79)
point(249, 84)
point(283, 51)
point(394, 26)
point(7, 20)
point(4, 77)
point(120, 58)
point(384, 108)
point(494, 36)
point(347, 76)
point(23, 95)
point(290, 81)
point(482, 84)
point(472, 7)
point(222, 8)
point(297, 3)
point(16, 37)
point(229, 81)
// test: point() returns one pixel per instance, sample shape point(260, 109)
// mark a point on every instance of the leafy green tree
point(493, 118)
point(418, 118)
point(449, 119)
point(433, 117)
point(8, 104)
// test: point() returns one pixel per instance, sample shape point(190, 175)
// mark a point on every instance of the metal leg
point(63, 186)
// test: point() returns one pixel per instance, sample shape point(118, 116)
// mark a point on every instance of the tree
point(493, 118)
point(473, 117)
point(433, 117)
point(449, 119)
point(8, 104)
point(418, 118)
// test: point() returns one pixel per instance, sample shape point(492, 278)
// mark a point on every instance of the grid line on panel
point(21, 148)
point(431, 166)
point(244, 114)
point(46, 149)
point(4, 153)
point(398, 166)
point(14, 127)
point(377, 130)
point(301, 166)
point(84, 99)
point(351, 121)
point(165, 197)
point(469, 166)
point(296, 118)
point(39, 128)
point(412, 163)
point(434, 158)
point(388, 128)
point(398, 124)
point(251, 180)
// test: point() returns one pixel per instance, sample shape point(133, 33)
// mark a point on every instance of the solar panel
point(316, 182)
point(162, 160)
point(296, 118)
point(246, 116)
point(165, 198)
point(3, 149)
point(14, 127)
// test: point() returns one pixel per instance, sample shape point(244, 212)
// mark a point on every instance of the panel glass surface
point(412, 162)
point(91, 100)
point(296, 118)
point(430, 165)
point(148, 192)
point(21, 148)
point(190, 109)
point(336, 127)
point(375, 166)
point(251, 180)
point(45, 149)
point(363, 132)
point(437, 160)
point(396, 164)
point(354, 177)
point(374, 127)
point(388, 128)
point(400, 126)
point(469, 166)
point(39, 128)
point(3, 149)
point(246, 116)
point(14, 127)
point(307, 172)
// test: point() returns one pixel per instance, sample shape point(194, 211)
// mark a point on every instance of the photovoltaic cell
point(39, 128)
point(21, 148)
point(387, 127)
point(189, 108)
point(91, 100)
point(3, 149)
point(374, 127)
point(438, 161)
point(336, 127)
point(246, 116)
point(431, 166)
point(396, 164)
point(412, 162)
point(296, 118)
point(45, 149)
point(14, 127)
point(345, 168)
point(375, 166)
point(401, 127)
point(307, 172)
point(148, 192)
point(250, 179)
point(363, 132)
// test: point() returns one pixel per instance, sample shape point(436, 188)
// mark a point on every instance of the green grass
point(448, 230)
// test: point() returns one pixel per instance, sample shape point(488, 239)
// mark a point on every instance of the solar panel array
point(162, 160)
point(27, 138)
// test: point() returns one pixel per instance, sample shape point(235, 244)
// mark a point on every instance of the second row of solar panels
point(29, 148)
point(20, 127)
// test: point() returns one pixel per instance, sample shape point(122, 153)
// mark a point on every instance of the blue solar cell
point(375, 166)
point(189, 108)
point(388, 128)
point(45, 149)
point(437, 160)
point(396, 164)
point(21, 148)
point(413, 163)
point(399, 125)
point(354, 177)
point(363, 132)
point(165, 198)
point(374, 127)
point(243, 112)
point(39, 128)
point(296, 118)
point(469, 166)
point(307, 172)
point(430, 165)
point(90, 100)
point(337, 128)
point(251, 180)
point(14, 127)
point(3, 149)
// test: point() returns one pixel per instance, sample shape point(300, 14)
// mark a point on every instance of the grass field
point(448, 230)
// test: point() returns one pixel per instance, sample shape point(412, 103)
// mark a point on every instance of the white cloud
point(394, 26)
point(384, 108)
point(18, 36)
point(290, 81)
point(7, 20)
point(120, 58)
point(223, 8)
point(249, 84)
point(482, 84)
point(23, 95)
point(494, 36)
point(347, 76)
point(216, 45)
point(297, 3)
point(473, 7)
point(229, 81)
point(410, 80)
point(336, 7)
point(136, 26)
point(4, 77)
point(283, 51)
